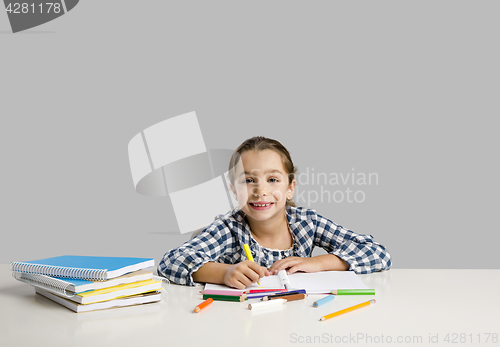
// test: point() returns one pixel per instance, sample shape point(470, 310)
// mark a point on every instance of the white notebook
point(313, 283)
point(121, 302)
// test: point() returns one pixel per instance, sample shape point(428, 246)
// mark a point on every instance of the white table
point(419, 306)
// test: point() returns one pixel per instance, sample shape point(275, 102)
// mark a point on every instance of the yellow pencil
point(349, 309)
point(249, 255)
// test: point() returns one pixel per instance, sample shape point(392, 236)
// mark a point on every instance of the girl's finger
point(252, 274)
point(259, 270)
point(285, 264)
point(294, 269)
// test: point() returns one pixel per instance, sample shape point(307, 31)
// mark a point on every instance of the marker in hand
point(249, 255)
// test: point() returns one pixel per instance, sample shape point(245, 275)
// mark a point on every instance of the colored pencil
point(323, 301)
point(284, 294)
point(293, 297)
point(349, 309)
point(257, 295)
point(353, 292)
point(203, 305)
point(223, 292)
point(225, 297)
point(252, 291)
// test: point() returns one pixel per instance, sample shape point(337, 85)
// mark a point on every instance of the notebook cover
point(89, 262)
point(93, 285)
point(116, 292)
point(83, 267)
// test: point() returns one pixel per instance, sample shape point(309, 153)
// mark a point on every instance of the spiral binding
point(165, 285)
point(60, 271)
point(50, 284)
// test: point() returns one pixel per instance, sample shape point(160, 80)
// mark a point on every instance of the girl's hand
point(325, 262)
point(243, 274)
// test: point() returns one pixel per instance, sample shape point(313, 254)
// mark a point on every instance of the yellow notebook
point(115, 292)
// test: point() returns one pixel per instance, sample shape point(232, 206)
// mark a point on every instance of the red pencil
point(265, 290)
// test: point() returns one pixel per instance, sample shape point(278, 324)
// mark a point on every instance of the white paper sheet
point(313, 283)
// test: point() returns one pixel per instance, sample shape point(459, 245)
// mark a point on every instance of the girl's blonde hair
point(260, 143)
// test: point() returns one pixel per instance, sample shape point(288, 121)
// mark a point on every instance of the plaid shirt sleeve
point(362, 253)
point(179, 264)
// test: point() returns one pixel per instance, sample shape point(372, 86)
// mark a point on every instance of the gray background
point(407, 90)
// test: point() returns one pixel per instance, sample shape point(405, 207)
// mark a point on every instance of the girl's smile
point(261, 205)
point(262, 185)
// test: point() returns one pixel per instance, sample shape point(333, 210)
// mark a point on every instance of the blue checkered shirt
point(222, 242)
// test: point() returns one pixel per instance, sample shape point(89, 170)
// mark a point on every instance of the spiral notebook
point(71, 286)
point(314, 283)
point(115, 292)
point(121, 302)
point(83, 267)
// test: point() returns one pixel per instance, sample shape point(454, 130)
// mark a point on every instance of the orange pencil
point(203, 305)
point(349, 309)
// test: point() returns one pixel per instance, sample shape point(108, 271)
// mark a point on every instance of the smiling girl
point(280, 235)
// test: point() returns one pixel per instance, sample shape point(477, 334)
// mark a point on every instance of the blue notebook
point(83, 267)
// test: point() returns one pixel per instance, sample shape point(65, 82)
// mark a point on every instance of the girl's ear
point(232, 189)
point(291, 190)
point(230, 185)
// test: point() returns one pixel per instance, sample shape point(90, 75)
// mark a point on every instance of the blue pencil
point(324, 300)
point(260, 295)
point(284, 294)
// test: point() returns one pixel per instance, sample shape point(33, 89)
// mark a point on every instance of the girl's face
point(261, 185)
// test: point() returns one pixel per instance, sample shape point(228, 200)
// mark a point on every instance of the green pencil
point(353, 292)
point(225, 297)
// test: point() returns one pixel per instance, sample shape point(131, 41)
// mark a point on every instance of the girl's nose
point(259, 190)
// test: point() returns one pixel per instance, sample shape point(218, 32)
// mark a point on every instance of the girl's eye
point(273, 180)
point(248, 180)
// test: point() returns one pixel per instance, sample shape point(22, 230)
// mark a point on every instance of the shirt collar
point(301, 226)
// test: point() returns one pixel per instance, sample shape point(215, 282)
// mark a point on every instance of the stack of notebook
point(86, 283)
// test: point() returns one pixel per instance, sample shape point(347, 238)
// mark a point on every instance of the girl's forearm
point(211, 273)
point(330, 262)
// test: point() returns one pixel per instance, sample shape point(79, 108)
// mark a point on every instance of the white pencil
point(266, 304)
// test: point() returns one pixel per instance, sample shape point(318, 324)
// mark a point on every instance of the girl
point(280, 235)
